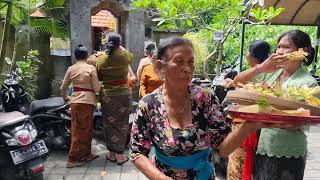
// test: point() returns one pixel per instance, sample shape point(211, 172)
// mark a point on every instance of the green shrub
point(28, 69)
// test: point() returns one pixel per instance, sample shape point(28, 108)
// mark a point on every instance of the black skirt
point(273, 168)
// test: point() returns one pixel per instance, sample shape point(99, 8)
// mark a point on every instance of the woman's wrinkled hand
point(229, 83)
point(273, 63)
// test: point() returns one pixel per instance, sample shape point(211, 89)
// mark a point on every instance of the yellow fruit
point(299, 55)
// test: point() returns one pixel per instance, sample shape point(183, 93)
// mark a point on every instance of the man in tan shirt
point(83, 100)
point(81, 75)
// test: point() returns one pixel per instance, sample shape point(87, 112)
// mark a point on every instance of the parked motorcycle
point(50, 116)
point(22, 154)
point(53, 120)
point(12, 94)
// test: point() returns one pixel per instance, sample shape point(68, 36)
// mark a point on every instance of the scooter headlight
point(23, 137)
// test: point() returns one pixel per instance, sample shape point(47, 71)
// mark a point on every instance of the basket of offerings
point(291, 98)
point(260, 102)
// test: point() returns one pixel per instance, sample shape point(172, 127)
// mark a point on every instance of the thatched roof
point(297, 12)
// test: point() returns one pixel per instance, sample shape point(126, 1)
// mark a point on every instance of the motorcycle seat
point(46, 104)
point(8, 118)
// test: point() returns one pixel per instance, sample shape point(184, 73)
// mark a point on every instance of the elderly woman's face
point(285, 46)
point(179, 66)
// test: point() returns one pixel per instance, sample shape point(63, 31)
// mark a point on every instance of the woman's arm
point(99, 63)
point(235, 138)
point(245, 76)
point(143, 84)
point(95, 81)
point(141, 144)
point(139, 70)
point(269, 65)
point(64, 86)
point(148, 169)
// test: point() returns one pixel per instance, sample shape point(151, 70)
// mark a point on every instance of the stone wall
point(131, 24)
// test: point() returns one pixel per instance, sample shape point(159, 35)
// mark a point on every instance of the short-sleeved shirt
point(151, 127)
point(81, 75)
point(149, 80)
point(113, 72)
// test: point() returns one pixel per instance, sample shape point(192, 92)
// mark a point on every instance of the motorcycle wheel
point(38, 176)
point(11, 174)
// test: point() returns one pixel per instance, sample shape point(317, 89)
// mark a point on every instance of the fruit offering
point(299, 55)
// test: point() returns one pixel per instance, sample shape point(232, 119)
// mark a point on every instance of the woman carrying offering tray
point(240, 162)
point(281, 153)
point(182, 121)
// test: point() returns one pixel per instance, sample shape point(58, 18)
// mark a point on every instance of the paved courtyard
point(105, 170)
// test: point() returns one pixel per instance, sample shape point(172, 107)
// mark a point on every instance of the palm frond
point(49, 26)
point(21, 7)
point(54, 3)
point(24, 33)
point(2, 5)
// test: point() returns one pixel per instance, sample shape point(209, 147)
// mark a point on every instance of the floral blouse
point(151, 127)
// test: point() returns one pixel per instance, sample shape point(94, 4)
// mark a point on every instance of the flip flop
point(109, 159)
point(91, 157)
point(120, 163)
point(74, 164)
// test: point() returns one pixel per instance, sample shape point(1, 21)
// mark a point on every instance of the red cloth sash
point(249, 146)
point(75, 89)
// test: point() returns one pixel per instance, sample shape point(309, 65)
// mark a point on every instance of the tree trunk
point(218, 64)
point(5, 37)
point(14, 61)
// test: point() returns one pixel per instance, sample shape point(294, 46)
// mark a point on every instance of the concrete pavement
point(104, 170)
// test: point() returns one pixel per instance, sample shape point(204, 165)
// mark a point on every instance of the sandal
point(120, 163)
point(74, 164)
point(109, 159)
point(91, 157)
